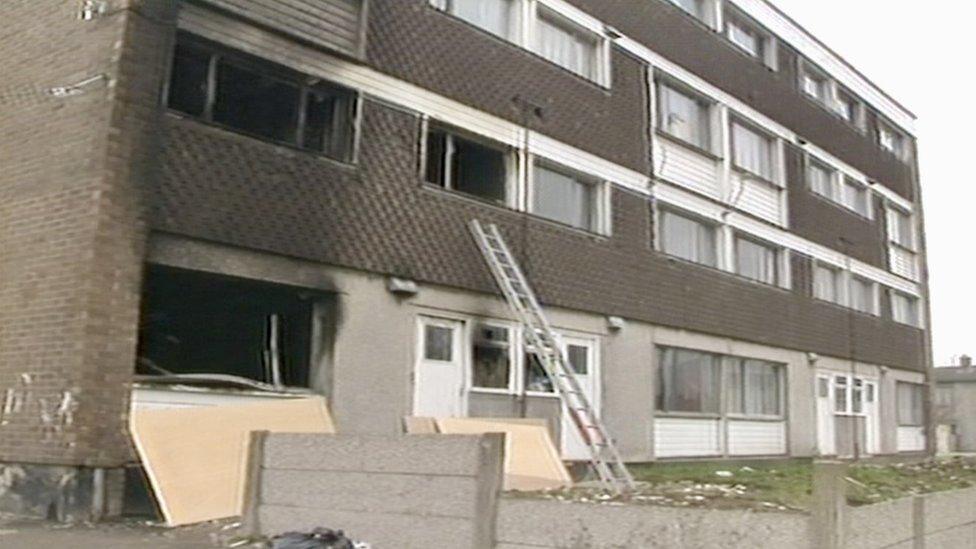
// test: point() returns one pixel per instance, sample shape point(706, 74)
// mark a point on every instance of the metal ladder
point(604, 456)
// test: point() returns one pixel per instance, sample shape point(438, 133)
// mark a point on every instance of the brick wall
point(70, 231)
point(219, 186)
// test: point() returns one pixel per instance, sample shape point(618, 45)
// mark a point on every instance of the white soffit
point(811, 48)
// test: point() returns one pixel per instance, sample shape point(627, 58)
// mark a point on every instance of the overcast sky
point(921, 57)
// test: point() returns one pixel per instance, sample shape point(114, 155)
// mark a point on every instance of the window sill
point(687, 415)
point(488, 391)
point(541, 394)
point(743, 172)
point(763, 419)
point(687, 144)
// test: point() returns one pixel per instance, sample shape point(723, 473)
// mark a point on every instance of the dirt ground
point(33, 534)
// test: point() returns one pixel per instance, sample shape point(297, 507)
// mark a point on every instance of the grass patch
point(781, 485)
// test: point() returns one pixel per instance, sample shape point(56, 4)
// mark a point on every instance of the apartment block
point(720, 215)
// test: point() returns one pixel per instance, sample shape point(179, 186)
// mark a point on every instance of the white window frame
point(894, 228)
point(920, 387)
point(720, 247)
point(899, 146)
point(846, 181)
point(524, 34)
point(780, 259)
point(711, 114)
point(775, 150)
point(849, 397)
point(510, 155)
point(839, 280)
point(514, 335)
point(766, 42)
point(915, 311)
point(600, 206)
point(514, 21)
point(875, 294)
point(838, 180)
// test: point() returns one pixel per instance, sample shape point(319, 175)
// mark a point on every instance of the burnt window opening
point(195, 323)
point(260, 99)
point(467, 166)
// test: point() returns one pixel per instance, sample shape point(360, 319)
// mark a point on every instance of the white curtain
point(821, 180)
point(744, 38)
point(491, 15)
point(756, 261)
point(688, 381)
point(862, 295)
point(688, 239)
point(683, 117)
point(856, 197)
point(825, 284)
point(752, 152)
point(566, 47)
point(563, 198)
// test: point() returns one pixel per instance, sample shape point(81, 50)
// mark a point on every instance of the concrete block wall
point(404, 492)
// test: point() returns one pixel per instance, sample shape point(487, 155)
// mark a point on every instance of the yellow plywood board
point(420, 425)
point(195, 457)
point(531, 459)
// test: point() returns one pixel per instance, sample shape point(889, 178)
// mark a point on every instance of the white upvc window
point(567, 197)
point(815, 84)
point(750, 37)
point(901, 229)
point(693, 7)
point(856, 196)
point(498, 17)
point(904, 308)
point(893, 141)
point(863, 295)
point(909, 399)
point(493, 357)
point(852, 393)
point(754, 388)
point(849, 108)
point(753, 151)
point(821, 179)
point(568, 45)
point(684, 115)
point(688, 238)
point(757, 261)
point(828, 283)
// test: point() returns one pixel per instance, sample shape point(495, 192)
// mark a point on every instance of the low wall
point(535, 523)
point(942, 519)
point(392, 492)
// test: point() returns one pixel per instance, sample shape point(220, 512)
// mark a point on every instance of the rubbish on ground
point(195, 457)
point(724, 474)
point(320, 538)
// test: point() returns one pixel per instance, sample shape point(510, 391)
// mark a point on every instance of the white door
point(439, 373)
point(872, 420)
point(824, 390)
point(582, 357)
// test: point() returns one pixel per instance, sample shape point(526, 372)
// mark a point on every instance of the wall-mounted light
point(616, 323)
point(401, 286)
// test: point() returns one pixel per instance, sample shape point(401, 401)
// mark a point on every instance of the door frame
point(459, 327)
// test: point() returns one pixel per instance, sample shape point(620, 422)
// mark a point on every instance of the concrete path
point(28, 534)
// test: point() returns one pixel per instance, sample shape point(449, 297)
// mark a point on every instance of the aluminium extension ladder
point(604, 456)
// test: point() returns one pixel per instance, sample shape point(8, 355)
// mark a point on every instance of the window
point(901, 229)
point(749, 37)
point(467, 166)
point(892, 141)
point(578, 357)
point(828, 283)
point(688, 239)
point(752, 151)
point(756, 261)
point(851, 394)
point(684, 116)
point(856, 197)
point(694, 7)
point(438, 343)
point(849, 108)
point(688, 381)
point(565, 197)
point(261, 99)
point(815, 85)
point(910, 399)
point(568, 45)
point(904, 308)
point(494, 16)
point(755, 387)
point(841, 390)
point(536, 378)
point(863, 295)
point(821, 179)
point(491, 357)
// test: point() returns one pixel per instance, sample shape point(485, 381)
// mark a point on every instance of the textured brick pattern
point(830, 224)
point(70, 235)
point(415, 42)
point(667, 30)
point(223, 187)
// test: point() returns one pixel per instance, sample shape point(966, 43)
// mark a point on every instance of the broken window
point(194, 323)
point(461, 164)
point(536, 378)
point(491, 357)
point(261, 99)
